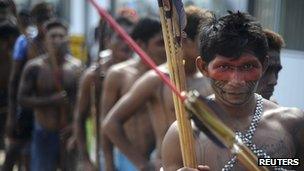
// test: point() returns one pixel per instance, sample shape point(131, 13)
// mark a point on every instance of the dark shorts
point(45, 149)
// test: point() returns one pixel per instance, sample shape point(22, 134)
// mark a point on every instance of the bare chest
point(49, 81)
point(272, 138)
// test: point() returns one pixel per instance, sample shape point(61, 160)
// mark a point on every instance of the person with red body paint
point(234, 57)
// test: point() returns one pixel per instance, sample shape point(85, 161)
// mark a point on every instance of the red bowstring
point(124, 35)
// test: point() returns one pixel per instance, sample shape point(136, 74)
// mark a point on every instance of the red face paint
point(234, 80)
point(245, 68)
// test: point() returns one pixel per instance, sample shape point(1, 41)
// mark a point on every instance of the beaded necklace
point(247, 138)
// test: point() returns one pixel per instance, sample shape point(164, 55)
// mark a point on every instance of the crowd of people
point(117, 114)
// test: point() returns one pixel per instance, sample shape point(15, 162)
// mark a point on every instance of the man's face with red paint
point(234, 80)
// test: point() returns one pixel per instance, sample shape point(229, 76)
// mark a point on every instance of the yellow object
point(78, 47)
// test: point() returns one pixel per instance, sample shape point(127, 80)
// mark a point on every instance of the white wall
point(77, 17)
point(290, 89)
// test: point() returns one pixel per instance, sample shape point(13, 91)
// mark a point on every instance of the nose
point(273, 79)
point(236, 79)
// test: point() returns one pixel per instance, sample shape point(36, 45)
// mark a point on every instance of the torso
point(162, 106)
point(138, 128)
point(48, 84)
point(272, 135)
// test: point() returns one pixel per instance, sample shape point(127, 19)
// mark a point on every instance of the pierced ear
point(202, 66)
point(265, 63)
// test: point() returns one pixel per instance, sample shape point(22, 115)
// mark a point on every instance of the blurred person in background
point(119, 79)
point(20, 119)
point(90, 89)
point(8, 38)
point(8, 35)
point(52, 99)
point(40, 13)
point(8, 11)
point(151, 91)
point(270, 77)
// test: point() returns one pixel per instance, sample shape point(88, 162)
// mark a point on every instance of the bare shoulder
point(36, 62)
point(89, 74)
point(290, 117)
point(115, 72)
point(273, 109)
point(151, 78)
point(74, 62)
point(173, 129)
point(123, 67)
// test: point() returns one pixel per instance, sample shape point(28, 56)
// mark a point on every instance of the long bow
point(173, 19)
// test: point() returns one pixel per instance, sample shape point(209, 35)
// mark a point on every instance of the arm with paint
point(26, 94)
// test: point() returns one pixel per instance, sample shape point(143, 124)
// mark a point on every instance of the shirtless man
point(91, 83)
point(120, 78)
point(8, 34)
point(48, 86)
point(40, 13)
point(150, 90)
point(233, 57)
point(20, 120)
point(270, 77)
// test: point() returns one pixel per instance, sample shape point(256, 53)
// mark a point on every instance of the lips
point(234, 92)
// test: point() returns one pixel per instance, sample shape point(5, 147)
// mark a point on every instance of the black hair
point(7, 30)
point(122, 21)
point(24, 18)
point(232, 35)
point(55, 23)
point(4, 4)
point(195, 17)
point(42, 12)
point(275, 40)
point(145, 29)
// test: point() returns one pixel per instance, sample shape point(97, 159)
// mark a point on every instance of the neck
point(141, 66)
point(58, 57)
point(238, 111)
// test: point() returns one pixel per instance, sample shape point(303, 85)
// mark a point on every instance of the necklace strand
point(247, 137)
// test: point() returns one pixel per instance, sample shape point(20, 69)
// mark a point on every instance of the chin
point(266, 95)
point(236, 101)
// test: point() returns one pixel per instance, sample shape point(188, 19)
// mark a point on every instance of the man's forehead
point(57, 29)
point(245, 57)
